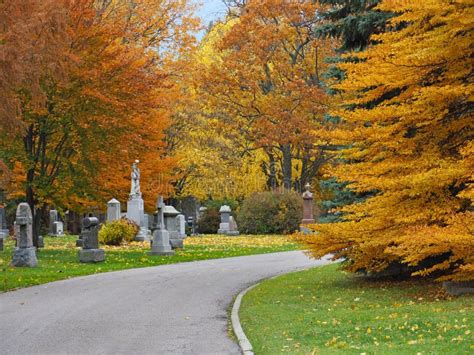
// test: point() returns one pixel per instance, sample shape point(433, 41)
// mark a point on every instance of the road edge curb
point(244, 343)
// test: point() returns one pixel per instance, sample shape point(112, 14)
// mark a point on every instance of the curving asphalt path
point(169, 309)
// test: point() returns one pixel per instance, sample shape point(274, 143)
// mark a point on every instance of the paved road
point(170, 309)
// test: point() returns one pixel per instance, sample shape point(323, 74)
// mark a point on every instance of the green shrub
point(117, 232)
point(271, 213)
point(209, 221)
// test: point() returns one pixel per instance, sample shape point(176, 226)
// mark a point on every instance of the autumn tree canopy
point(95, 101)
point(407, 124)
point(266, 87)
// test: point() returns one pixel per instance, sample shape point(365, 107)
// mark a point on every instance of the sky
point(210, 10)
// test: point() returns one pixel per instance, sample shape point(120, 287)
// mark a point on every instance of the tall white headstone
point(58, 228)
point(113, 210)
point(182, 225)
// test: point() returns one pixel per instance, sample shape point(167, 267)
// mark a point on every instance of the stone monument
point(307, 206)
point(135, 205)
point(202, 212)
point(90, 252)
point(225, 225)
point(192, 224)
point(113, 210)
point(171, 224)
point(233, 226)
point(25, 252)
point(181, 221)
point(161, 239)
point(56, 227)
point(40, 242)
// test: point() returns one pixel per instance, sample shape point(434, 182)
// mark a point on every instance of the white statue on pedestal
point(135, 189)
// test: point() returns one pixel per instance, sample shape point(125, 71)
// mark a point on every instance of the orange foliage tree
point(266, 89)
point(109, 106)
point(408, 128)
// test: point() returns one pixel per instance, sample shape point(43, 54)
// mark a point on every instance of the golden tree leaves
point(410, 133)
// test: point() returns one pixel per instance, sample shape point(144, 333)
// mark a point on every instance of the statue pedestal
point(308, 208)
point(136, 213)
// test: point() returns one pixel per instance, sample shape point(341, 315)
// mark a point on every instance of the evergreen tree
point(352, 22)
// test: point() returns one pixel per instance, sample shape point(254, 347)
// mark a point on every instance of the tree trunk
point(270, 170)
point(30, 199)
point(286, 166)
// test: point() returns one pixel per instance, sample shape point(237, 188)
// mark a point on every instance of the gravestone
point(225, 218)
point(192, 225)
point(40, 242)
point(225, 225)
point(90, 252)
point(181, 220)
point(233, 229)
point(53, 217)
point(113, 210)
point(25, 252)
point(171, 224)
point(58, 228)
point(16, 229)
point(1, 241)
point(161, 239)
point(3, 222)
point(202, 211)
point(135, 205)
point(146, 220)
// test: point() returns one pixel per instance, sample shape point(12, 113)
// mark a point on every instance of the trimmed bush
point(118, 232)
point(209, 222)
point(271, 213)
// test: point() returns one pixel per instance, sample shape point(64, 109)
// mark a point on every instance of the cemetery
point(236, 177)
point(61, 255)
point(163, 240)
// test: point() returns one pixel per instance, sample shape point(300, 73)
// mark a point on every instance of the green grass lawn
point(326, 311)
point(59, 260)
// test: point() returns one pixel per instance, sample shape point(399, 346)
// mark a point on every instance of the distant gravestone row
point(165, 232)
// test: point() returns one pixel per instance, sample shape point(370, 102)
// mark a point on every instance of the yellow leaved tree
point(210, 163)
point(408, 124)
